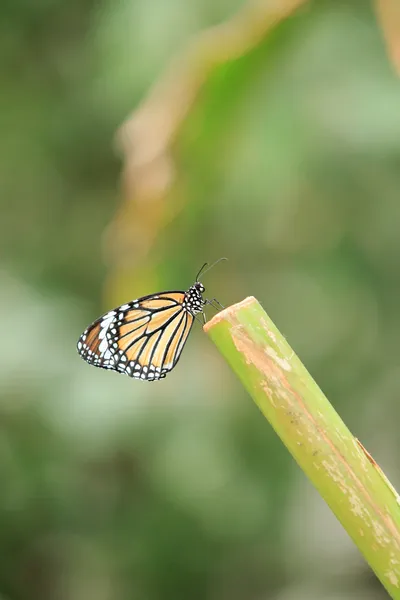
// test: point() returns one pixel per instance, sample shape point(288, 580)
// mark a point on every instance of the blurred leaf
point(153, 186)
point(389, 14)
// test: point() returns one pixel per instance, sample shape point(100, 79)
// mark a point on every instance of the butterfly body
point(145, 337)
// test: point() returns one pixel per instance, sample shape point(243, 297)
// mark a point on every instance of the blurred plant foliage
point(289, 165)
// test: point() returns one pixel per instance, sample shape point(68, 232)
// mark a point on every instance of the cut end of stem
point(228, 313)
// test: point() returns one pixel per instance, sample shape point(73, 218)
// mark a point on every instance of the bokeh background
point(288, 163)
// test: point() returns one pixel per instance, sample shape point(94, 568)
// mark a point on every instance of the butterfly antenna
point(203, 272)
point(199, 273)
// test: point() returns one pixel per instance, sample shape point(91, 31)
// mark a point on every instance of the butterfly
point(145, 337)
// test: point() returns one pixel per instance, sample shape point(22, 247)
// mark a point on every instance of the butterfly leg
point(198, 320)
point(214, 303)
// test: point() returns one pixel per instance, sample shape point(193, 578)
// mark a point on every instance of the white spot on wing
point(103, 345)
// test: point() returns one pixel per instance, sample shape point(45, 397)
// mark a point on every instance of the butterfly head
point(199, 287)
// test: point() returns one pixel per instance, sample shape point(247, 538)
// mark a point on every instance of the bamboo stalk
point(337, 464)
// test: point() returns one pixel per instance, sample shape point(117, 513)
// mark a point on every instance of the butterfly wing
point(143, 339)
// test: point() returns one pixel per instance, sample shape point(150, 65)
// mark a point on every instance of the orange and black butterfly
point(145, 337)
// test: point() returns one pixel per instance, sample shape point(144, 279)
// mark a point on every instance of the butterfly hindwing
point(143, 338)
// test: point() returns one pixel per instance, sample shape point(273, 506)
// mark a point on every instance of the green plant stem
point(343, 472)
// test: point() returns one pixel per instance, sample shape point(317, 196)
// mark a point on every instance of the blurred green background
point(112, 489)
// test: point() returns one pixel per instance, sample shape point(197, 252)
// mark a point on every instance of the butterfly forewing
point(144, 338)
